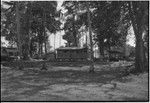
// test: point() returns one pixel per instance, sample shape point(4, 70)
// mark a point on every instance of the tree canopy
point(108, 21)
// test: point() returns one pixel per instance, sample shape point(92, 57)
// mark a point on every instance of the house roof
point(70, 48)
point(8, 49)
point(115, 51)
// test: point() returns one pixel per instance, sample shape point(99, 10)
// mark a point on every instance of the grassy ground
point(72, 83)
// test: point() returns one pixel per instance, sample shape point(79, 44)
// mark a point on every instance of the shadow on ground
point(51, 85)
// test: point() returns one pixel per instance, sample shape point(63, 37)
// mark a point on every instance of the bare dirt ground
point(72, 84)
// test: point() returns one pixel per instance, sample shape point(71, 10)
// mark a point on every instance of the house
point(115, 55)
point(71, 53)
point(9, 51)
point(3, 51)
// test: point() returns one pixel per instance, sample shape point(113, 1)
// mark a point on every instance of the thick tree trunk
point(91, 42)
point(101, 47)
point(76, 42)
point(45, 45)
point(137, 27)
point(26, 35)
point(45, 32)
point(18, 29)
point(139, 60)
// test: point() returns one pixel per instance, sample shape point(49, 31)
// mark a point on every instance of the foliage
point(106, 19)
point(35, 17)
point(75, 18)
point(139, 14)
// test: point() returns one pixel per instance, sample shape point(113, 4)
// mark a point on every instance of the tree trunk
point(101, 47)
point(109, 48)
point(86, 40)
point(26, 35)
point(18, 29)
point(137, 27)
point(145, 57)
point(45, 47)
point(124, 49)
point(31, 45)
point(139, 60)
point(74, 27)
point(45, 32)
point(74, 32)
point(39, 51)
point(91, 42)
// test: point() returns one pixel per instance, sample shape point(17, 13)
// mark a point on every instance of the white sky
point(131, 37)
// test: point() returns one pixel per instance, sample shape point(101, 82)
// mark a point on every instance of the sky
point(59, 41)
point(131, 37)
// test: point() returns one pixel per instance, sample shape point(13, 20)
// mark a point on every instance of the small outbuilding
point(115, 55)
point(71, 53)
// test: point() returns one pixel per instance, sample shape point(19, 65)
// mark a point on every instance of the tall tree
point(72, 22)
point(17, 25)
point(91, 40)
point(46, 19)
point(9, 21)
point(35, 18)
point(18, 28)
point(105, 20)
point(138, 13)
point(26, 30)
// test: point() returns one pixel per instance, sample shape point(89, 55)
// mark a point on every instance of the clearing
point(72, 83)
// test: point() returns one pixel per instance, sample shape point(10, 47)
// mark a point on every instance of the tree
point(138, 13)
point(26, 31)
point(45, 19)
point(9, 21)
point(91, 42)
point(17, 25)
point(73, 21)
point(18, 29)
point(35, 17)
point(105, 22)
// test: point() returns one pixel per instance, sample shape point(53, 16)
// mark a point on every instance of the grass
point(71, 83)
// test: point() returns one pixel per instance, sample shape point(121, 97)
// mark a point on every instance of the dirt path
point(71, 83)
